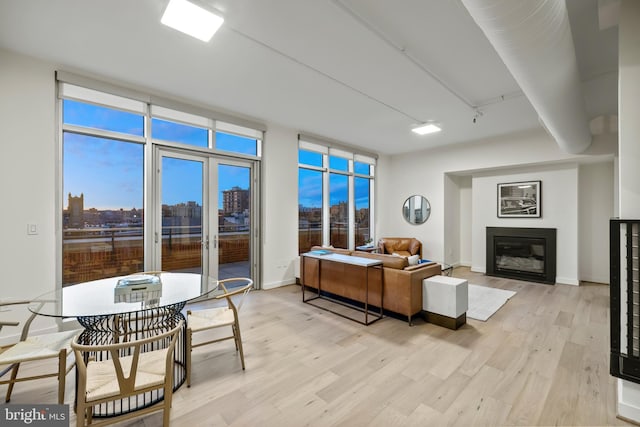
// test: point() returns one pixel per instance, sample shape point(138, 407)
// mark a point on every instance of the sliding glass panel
point(310, 158)
point(181, 200)
point(178, 132)
point(103, 214)
point(339, 210)
point(363, 206)
point(104, 118)
point(309, 209)
point(362, 168)
point(236, 144)
point(234, 221)
point(338, 163)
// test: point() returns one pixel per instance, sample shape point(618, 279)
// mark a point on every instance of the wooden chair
point(34, 348)
point(131, 369)
point(211, 318)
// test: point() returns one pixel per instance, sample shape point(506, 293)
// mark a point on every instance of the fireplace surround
point(522, 253)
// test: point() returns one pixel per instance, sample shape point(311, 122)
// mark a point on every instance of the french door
point(205, 215)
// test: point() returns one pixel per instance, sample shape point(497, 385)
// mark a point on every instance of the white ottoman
point(445, 301)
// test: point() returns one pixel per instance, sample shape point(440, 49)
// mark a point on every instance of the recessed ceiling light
point(190, 19)
point(426, 129)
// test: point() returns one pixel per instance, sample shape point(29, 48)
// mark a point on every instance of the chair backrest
point(27, 323)
point(405, 246)
point(131, 348)
point(242, 290)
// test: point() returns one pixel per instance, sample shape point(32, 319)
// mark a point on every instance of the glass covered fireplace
point(522, 253)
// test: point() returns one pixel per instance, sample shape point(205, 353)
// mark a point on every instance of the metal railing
point(93, 253)
point(624, 239)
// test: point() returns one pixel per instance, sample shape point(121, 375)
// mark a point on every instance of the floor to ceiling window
point(150, 187)
point(335, 197)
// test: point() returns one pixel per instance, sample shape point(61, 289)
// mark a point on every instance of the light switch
point(32, 229)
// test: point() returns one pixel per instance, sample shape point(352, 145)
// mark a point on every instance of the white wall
point(629, 153)
point(559, 205)
point(27, 174)
point(423, 173)
point(280, 207)
point(458, 214)
point(466, 215)
point(451, 219)
point(595, 208)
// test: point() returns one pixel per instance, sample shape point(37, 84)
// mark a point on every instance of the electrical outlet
point(32, 229)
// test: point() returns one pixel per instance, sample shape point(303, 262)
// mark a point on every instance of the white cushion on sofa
point(413, 259)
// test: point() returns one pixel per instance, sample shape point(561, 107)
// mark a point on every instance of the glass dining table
point(127, 308)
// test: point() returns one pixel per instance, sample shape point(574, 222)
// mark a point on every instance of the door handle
point(205, 242)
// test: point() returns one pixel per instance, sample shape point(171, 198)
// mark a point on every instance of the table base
point(101, 330)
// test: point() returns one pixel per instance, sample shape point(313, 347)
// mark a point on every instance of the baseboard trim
point(627, 391)
point(567, 281)
point(278, 284)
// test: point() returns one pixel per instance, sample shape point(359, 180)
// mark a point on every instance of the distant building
point(235, 200)
point(75, 209)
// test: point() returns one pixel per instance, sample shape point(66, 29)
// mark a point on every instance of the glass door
point(233, 242)
point(181, 235)
point(205, 221)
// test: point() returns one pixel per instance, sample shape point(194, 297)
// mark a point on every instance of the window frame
point(89, 91)
point(327, 150)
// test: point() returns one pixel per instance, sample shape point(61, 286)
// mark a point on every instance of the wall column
point(629, 154)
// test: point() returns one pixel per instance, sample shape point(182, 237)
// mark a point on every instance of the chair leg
point(14, 374)
point(166, 412)
point(62, 374)
point(189, 337)
point(236, 334)
point(81, 413)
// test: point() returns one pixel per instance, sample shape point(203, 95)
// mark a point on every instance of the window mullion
point(326, 227)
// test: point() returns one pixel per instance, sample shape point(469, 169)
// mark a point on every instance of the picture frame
point(520, 199)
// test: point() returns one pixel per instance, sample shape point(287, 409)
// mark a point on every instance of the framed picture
point(520, 199)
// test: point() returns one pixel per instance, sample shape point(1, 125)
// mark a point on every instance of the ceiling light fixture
point(426, 128)
point(191, 19)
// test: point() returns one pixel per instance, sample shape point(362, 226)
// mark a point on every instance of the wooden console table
point(351, 279)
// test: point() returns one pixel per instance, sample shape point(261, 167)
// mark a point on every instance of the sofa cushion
point(413, 259)
point(388, 261)
point(420, 266)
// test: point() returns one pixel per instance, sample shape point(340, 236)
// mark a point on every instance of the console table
point(351, 281)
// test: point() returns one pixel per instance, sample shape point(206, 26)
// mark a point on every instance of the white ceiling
point(358, 71)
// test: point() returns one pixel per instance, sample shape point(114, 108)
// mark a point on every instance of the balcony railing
point(95, 253)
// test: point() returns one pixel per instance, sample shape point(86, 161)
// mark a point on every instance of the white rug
point(484, 301)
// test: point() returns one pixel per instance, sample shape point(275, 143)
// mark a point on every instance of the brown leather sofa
point(405, 246)
point(402, 290)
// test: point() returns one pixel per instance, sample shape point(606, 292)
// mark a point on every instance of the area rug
point(484, 301)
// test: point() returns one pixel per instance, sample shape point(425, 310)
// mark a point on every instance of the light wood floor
point(542, 359)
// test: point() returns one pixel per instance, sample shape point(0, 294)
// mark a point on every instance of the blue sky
point(110, 173)
point(310, 182)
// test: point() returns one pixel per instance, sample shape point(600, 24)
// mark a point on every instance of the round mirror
point(416, 210)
